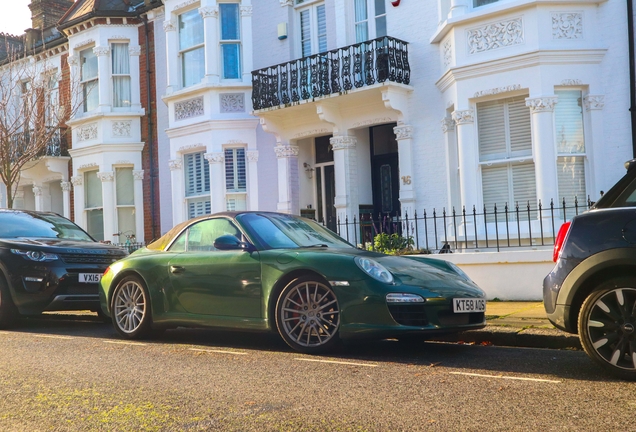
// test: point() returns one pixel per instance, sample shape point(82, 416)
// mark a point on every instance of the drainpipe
point(153, 174)
point(632, 72)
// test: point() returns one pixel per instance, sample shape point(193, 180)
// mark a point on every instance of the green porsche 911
point(268, 271)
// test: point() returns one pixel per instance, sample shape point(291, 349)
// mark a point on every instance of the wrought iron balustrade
point(340, 70)
point(23, 142)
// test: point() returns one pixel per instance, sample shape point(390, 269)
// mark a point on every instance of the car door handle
point(176, 269)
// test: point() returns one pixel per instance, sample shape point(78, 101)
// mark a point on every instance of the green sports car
point(268, 271)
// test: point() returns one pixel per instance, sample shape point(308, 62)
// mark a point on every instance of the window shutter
point(520, 128)
point(495, 186)
point(568, 120)
point(524, 185)
point(492, 130)
point(571, 175)
point(305, 33)
point(321, 22)
point(199, 207)
point(197, 174)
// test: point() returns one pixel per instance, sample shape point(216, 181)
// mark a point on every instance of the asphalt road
point(76, 374)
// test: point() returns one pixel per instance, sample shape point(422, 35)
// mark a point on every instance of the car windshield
point(622, 194)
point(277, 231)
point(15, 224)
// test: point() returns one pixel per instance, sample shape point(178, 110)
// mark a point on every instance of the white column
point(103, 66)
point(458, 7)
point(76, 95)
point(138, 186)
point(252, 179)
point(108, 204)
point(211, 29)
point(543, 148)
point(178, 192)
point(217, 181)
point(467, 154)
point(246, 41)
point(594, 106)
point(66, 199)
point(39, 198)
point(172, 56)
point(404, 136)
point(450, 138)
point(135, 78)
point(78, 187)
point(347, 197)
point(287, 155)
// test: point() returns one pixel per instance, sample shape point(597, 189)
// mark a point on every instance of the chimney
point(46, 13)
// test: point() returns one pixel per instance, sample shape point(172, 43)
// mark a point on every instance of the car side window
point(179, 244)
point(201, 236)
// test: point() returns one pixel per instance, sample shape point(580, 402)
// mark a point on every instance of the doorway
point(325, 183)
point(385, 171)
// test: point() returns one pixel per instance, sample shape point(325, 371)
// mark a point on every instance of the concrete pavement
point(518, 324)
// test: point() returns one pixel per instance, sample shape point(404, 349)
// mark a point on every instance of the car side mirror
point(230, 242)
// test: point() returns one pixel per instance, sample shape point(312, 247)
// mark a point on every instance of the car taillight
point(106, 271)
point(560, 239)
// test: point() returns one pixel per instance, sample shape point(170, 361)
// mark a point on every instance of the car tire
point(130, 309)
point(607, 326)
point(308, 315)
point(8, 311)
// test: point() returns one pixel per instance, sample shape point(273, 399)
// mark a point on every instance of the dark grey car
point(592, 289)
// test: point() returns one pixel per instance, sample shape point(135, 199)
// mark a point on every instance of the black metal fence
point(343, 69)
point(520, 226)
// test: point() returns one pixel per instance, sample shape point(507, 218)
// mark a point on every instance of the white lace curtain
point(121, 75)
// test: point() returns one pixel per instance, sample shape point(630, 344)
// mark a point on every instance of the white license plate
point(90, 277)
point(466, 305)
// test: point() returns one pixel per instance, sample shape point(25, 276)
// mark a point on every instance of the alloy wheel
point(309, 316)
point(129, 306)
point(610, 327)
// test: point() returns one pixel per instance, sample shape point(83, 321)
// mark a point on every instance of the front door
point(207, 281)
point(385, 172)
point(325, 183)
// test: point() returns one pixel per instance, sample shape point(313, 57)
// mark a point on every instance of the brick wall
point(65, 101)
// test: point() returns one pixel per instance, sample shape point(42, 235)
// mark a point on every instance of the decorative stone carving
point(87, 132)
point(83, 43)
point(214, 157)
point(123, 162)
point(542, 104)
point(101, 51)
point(134, 50)
point(252, 155)
point(66, 186)
point(37, 191)
point(209, 12)
point(498, 90)
point(138, 175)
point(72, 60)
point(122, 128)
point(246, 10)
point(463, 117)
point(594, 102)
point(567, 25)
point(189, 108)
point(495, 35)
point(303, 134)
point(88, 165)
point(106, 176)
point(343, 142)
point(286, 151)
point(232, 102)
point(379, 120)
point(77, 180)
point(284, 3)
point(169, 26)
point(184, 5)
point(571, 82)
point(119, 37)
point(448, 52)
point(186, 148)
point(175, 164)
point(403, 132)
point(448, 124)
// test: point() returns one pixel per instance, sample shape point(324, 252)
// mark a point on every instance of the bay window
point(89, 79)
point(191, 48)
point(505, 154)
point(230, 40)
point(94, 205)
point(235, 179)
point(125, 195)
point(568, 120)
point(121, 75)
point(197, 184)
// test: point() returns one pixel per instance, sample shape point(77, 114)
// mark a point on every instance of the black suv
point(592, 289)
point(47, 263)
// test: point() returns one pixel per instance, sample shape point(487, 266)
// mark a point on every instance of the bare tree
point(32, 116)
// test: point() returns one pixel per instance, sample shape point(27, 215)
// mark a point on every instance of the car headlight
point(374, 269)
point(35, 255)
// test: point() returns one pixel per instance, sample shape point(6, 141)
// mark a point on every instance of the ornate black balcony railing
point(55, 146)
point(340, 70)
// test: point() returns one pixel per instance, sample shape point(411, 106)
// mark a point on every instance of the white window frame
point(311, 6)
point(370, 20)
point(238, 42)
point(124, 236)
point(202, 196)
point(87, 209)
point(192, 48)
point(84, 82)
point(114, 75)
point(237, 192)
point(52, 99)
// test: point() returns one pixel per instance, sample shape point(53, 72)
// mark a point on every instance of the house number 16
point(406, 180)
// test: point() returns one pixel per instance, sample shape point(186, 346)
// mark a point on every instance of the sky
point(15, 16)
